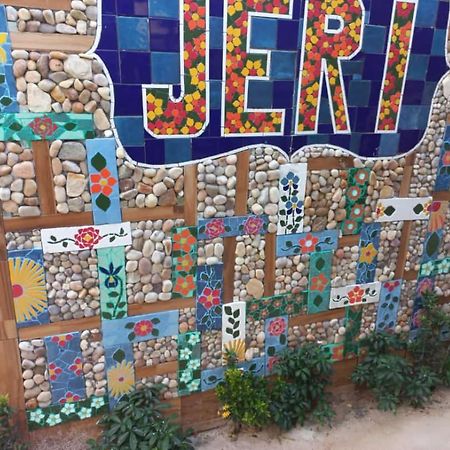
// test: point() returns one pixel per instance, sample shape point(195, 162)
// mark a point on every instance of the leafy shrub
point(8, 435)
point(244, 398)
point(138, 423)
point(300, 388)
point(429, 348)
point(391, 377)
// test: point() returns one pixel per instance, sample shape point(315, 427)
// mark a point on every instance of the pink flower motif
point(271, 362)
point(425, 285)
point(277, 327)
point(77, 367)
point(43, 127)
point(215, 228)
point(391, 285)
point(253, 225)
point(87, 237)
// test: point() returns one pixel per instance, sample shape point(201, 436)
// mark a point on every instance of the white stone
point(38, 100)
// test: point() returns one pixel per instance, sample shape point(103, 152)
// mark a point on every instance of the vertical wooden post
point(44, 177)
point(190, 195)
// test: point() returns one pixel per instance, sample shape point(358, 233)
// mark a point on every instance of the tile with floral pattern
point(103, 180)
point(306, 243)
point(57, 414)
point(388, 306)
point(443, 171)
point(292, 189)
point(395, 209)
point(209, 297)
point(355, 295)
point(319, 282)
point(355, 196)
point(277, 305)
point(353, 319)
point(189, 354)
point(73, 239)
point(276, 329)
point(433, 268)
point(334, 351)
point(65, 368)
point(369, 243)
point(232, 226)
point(184, 262)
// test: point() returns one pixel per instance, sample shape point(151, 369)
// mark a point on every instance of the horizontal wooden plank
point(146, 308)
point(441, 196)
point(320, 317)
point(159, 369)
point(160, 212)
point(42, 4)
point(349, 241)
point(69, 43)
point(410, 275)
point(330, 162)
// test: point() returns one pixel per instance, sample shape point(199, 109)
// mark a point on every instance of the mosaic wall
point(293, 241)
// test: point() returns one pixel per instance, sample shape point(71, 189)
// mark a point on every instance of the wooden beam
point(441, 196)
point(44, 177)
point(45, 42)
point(349, 241)
point(190, 195)
point(41, 4)
point(158, 369)
point(306, 319)
point(158, 213)
point(270, 251)
point(330, 162)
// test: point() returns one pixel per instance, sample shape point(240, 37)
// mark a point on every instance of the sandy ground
point(358, 426)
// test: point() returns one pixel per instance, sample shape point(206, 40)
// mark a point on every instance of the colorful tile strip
point(232, 226)
point(433, 268)
point(355, 195)
point(209, 297)
point(292, 197)
point(112, 282)
point(305, 243)
point(443, 172)
point(140, 328)
point(119, 371)
point(369, 243)
point(26, 271)
point(189, 353)
point(103, 180)
point(30, 127)
point(184, 262)
point(394, 209)
point(334, 351)
point(388, 306)
point(355, 295)
point(319, 283)
point(276, 329)
point(353, 319)
point(72, 239)
point(278, 305)
point(233, 329)
point(65, 368)
point(69, 412)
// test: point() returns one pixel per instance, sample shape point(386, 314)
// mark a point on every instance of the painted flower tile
point(306, 243)
point(189, 353)
point(276, 329)
point(395, 209)
point(369, 243)
point(319, 282)
point(209, 297)
point(388, 306)
point(72, 239)
point(277, 305)
point(232, 226)
point(355, 295)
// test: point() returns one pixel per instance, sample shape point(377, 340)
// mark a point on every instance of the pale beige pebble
point(23, 169)
point(76, 184)
point(100, 120)
point(255, 288)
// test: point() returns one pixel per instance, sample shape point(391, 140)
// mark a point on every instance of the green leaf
point(129, 325)
point(6, 101)
point(389, 210)
point(69, 126)
point(155, 321)
point(432, 244)
point(119, 355)
point(131, 337)
point(106, 315)
point(113, 294)
point(15, 126)
point(155, 332)
point(320, 263)
point(98, 161)
point(103, 202)
point(228, 310)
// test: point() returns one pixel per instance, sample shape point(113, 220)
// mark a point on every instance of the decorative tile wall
point(395, 209)
point(275, 341)
point(369, 243)
point(388, 306)
point(305, 243)
point(355, 295)
point(232, 226)
point(319, 282)
point(189, 376)
point(209, 297)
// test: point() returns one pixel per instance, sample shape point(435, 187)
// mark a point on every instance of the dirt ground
point(358, 426)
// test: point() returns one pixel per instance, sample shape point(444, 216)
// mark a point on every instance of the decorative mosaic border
point(388, 306)
point(369, 243)
point(319, 281)
point(395, 209)
point(278, 305)
point(355, 295)
point(189, 356)
point(232, 226)
point(306, 243)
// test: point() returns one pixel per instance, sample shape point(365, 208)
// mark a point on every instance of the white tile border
point(339, 297)
point(404, 209)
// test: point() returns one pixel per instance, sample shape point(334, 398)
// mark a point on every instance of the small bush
point(138, 423)
point(299, 391)
point(8, 435)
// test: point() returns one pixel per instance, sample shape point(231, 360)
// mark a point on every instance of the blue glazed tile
point(216, 32)
point(65, 367)
point(26, 270)
point(131, 130)
point(133, 33)
point(164, 35)
point(177, 150)
point(232, 226)
point(369, 243)
point(167, 8)
point(104, 181)
point(388, 305)
point(215, 96)
point(3, 20)
point(287, 36)
point(374, 39)
point(209, 297)
point(283, 93)
point(260, 94)
point(359, 93)
point(418, 66)
point(108, 38)
point(426, 13)
point(140, 328)
point(263, 33)
point(422, 40)
point(389, 145)
point(283, 66)
point(438, 42)
point(134, 67)
point(132, 7)
point(305, 243)
point(212, 377)
point(165, 68)
point(215, 64)
point(127, 100)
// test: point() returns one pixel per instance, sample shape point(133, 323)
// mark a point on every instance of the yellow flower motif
point(368, 253)
point(3, 56)
point(236, 347)
point(121, 379)
point(28, 288)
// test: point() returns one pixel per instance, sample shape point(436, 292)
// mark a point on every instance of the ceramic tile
point(233, 329)
point(65, 368)
point(277, 305)
point(38, 126)
point(292, 195)
point(275, 340)
point(319, 282)
point(232, 226)
point(72, 239)
point(184, 262)
point(353, 319)
point(355, 295)
point(112, 282)
point(189, 373)
point(388, 306)
point(433, 268)
point(395, 209)
point(103, 181)
point(334, 351)
point(69, 412)
point(355, 195)
point(369, 243)
point(305, 243)
point(27, 275)
point(209, 297)
point(443, 173)
point(140, 328)
point(119, 362)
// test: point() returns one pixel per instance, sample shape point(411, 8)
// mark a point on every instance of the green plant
point(138, 423)
point(244, 398)
point(299, 391)
point(8, 434)
point(390, 376)
point(428, 349)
